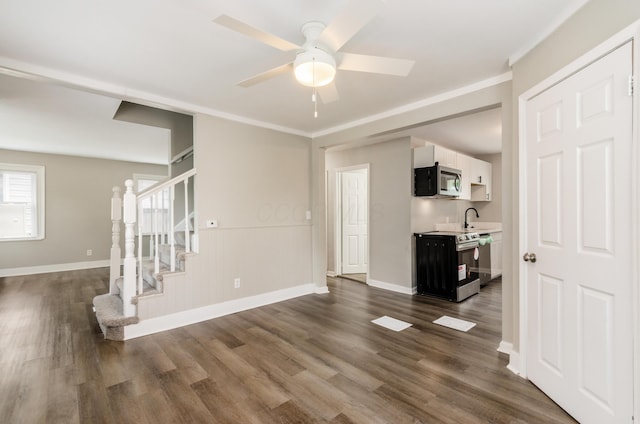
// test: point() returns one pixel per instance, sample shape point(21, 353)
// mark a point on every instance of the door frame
point(338, 216)
point(518, 359)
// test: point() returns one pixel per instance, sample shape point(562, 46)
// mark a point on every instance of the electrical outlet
point(89, 252)
point(236, 283)
point(212, 223)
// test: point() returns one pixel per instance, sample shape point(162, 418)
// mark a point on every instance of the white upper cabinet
point(446, 157)
point(464, 164)
point(431, 153)
point(480, 180)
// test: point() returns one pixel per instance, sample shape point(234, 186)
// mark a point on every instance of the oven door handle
point(466, 246)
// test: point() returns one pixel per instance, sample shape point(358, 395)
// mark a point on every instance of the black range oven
point(447, 264)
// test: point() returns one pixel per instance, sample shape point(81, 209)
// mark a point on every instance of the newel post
point(116, 217)
point(129, 283)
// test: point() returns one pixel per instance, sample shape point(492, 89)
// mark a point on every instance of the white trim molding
point(192, 316)
point(505, 347)
point(321, 290)
point(391, 287)
point(43, 269)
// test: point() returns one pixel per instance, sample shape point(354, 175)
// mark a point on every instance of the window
point(21, 202)
point(143, 182)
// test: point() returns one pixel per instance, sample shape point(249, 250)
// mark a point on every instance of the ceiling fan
point(317, 59)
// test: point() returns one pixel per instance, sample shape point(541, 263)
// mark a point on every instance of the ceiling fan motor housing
point(314, 66)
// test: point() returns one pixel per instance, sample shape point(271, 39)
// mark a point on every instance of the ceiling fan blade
point(255, 33)
point(352, 18)
point(375, 64)
point(328, 93)
point(256, 79)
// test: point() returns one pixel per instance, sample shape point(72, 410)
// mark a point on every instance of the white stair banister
point(187, 237)
point(172, 235)
point(130, 263)
point(140, 226)
point(156, 201)
point(114, 261)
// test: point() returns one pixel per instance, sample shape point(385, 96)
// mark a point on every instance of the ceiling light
point(314, 68)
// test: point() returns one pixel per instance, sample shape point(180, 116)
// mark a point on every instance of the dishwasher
point(484, 261)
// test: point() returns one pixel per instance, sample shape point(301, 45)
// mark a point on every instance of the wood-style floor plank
point(313, 359)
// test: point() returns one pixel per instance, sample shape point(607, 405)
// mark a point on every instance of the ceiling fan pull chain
point(315, 103)
point(314, 97)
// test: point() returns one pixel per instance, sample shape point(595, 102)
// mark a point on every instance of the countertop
point(476, 227)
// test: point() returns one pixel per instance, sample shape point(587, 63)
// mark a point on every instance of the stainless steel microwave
point(437, 181)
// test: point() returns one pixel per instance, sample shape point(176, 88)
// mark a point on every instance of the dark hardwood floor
point(313, 359)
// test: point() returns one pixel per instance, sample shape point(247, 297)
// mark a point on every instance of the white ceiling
point(478, 133)
point(170, 53)
point(48, 118)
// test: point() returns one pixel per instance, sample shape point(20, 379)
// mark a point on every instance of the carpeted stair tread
point(164, 252)
point(109, 311)
point(146, 287)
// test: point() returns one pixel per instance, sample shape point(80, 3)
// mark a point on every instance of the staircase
point(146, 215)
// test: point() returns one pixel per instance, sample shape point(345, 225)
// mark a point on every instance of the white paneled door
point(579, 260)
point(354, 221)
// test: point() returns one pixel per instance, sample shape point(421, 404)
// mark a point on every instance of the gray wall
point(597, 21)
point(77, 214)
point(256, 183)
point(390, 176)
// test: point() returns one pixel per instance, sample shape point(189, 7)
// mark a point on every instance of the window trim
point(39, 198)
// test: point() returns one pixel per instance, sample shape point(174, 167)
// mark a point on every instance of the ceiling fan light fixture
point(314, 68)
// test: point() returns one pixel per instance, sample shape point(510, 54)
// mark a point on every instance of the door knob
point(529, 257)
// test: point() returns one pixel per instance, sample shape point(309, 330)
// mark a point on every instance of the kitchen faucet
point(466, 224)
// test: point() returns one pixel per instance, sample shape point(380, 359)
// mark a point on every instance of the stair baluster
point(140, 244)
point(172, 235)
point(116, 218)
point(130, 263)
point(156, 201)
point(187, 235)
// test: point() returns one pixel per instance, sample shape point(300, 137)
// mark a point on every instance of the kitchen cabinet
point(431, 153)
point(476, 173)
point(480, 180)
point(490, 261)
point(446, 157)
point(464, 164)
point(496, 255)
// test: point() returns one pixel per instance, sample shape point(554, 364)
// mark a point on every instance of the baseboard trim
point(505, 347)
point(331, 274)
point(391, 287)
point(321, 290)
point(514, 364)
point(192, 316)
point(514, 357)
point(42, 269)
